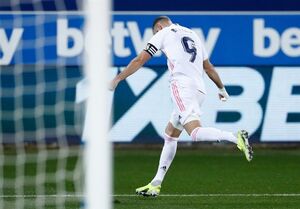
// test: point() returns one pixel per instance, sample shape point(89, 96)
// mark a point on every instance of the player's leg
point(189, 107)
point(199, 133)
point(167, 155)
point(191, 120)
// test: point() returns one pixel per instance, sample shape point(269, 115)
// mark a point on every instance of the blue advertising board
point(263, 100)
point(230, 39)
point(212, 5)
point(257, 56)
point(155, 5)
point(41, 38)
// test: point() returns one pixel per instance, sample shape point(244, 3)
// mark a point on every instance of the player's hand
point(113, 84)
point(223, 95)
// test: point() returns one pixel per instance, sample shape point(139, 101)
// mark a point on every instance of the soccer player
point(187, 63)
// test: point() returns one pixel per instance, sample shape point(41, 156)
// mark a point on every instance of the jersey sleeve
point(204, 52)
point(155, 43)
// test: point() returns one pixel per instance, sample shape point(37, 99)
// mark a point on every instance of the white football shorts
point(187, 102)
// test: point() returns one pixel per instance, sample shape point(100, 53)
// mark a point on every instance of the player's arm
point(152, 47)
point(214, 76)
point(212, 73)
point(135, 64)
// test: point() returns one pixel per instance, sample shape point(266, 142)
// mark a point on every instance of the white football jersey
point(185, 53)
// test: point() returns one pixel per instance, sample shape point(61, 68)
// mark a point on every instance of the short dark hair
point(159, 19)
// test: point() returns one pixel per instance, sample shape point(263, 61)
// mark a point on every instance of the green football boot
point(243, 144)
point(148, 190)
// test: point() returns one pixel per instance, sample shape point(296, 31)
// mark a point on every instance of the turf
point(20, 191)
point(218, 177)
point(210, 172)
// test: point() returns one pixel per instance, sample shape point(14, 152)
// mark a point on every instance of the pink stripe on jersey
point(177, 97)
point(171, 66)
point(170, 63)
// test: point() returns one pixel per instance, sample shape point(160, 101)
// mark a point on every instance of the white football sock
point(166, 158)
point(212, 134)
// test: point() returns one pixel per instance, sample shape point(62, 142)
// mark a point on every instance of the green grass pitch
point(210, 178)
point(217, 177)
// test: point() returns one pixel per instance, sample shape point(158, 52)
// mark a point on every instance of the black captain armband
point(151, 49)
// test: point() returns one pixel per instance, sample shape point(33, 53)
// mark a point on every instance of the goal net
point(41, 61)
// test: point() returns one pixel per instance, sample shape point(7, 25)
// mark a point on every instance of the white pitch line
point(216, 195)
point(162, 195)
point(43, 196)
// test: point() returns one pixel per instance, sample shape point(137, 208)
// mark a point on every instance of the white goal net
point(41, 61)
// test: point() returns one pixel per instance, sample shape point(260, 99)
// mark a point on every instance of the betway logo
point(124, 30)
point(268, 41)
point(128, 39)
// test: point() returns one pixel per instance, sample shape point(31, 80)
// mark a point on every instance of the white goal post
point(98, 149)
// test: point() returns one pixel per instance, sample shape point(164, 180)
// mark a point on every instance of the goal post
point(44, 53)
point(98, 149)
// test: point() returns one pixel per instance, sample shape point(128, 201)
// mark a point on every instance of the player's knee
point(168, 132)
point(192, 125)
point(172, 131)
